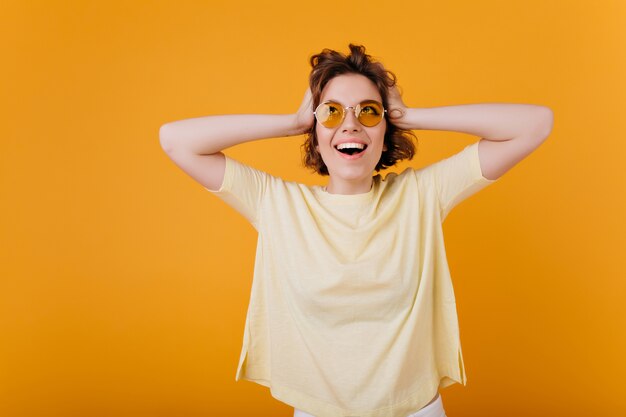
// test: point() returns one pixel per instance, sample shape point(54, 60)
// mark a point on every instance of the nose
point(350, 122)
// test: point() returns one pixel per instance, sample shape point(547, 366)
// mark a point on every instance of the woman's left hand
point(397, 109)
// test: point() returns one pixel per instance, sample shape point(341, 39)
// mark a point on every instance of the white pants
point(434, 409)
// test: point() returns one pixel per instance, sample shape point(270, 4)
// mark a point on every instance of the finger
point(396, 113)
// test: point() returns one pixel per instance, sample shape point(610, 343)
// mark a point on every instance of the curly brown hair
point(329, 64)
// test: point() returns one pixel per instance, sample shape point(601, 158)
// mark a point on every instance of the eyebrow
point(337, 101)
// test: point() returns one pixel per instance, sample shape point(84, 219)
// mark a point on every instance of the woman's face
point(350, 90)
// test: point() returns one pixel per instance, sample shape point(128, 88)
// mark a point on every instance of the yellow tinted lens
point(370, 113)
point(329, 114)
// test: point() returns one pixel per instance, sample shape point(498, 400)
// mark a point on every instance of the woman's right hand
point(304, 118)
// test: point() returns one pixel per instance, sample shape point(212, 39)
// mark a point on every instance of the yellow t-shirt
point(352, 310)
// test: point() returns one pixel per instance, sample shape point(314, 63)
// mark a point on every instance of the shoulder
point(408, 174)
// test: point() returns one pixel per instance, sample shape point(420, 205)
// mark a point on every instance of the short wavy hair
point(329, 64)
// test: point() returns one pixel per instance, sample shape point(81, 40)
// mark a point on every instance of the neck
point(350, 187)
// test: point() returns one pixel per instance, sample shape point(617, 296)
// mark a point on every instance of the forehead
point(350, 89)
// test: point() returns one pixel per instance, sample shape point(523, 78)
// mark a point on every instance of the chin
point(352, 173)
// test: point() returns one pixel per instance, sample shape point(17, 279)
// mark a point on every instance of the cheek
point(379, 135)
point(323, 138)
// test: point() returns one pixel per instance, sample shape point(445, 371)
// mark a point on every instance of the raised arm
point(195, 144)
point(509, 132)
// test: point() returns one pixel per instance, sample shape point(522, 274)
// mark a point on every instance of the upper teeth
point(351, 145)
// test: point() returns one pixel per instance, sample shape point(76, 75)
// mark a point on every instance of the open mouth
point(351, 148)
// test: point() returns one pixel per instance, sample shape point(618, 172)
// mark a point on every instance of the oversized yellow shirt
point(352, 310)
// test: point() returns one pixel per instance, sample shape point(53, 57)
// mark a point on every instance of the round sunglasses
point(368, 112)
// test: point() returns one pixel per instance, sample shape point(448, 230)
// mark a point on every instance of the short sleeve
point(242, 188)
point(456, 178)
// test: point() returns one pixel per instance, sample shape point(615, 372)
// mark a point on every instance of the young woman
point(352, 310)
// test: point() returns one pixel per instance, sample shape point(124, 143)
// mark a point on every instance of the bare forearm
point(212, 134)
point(492, 121)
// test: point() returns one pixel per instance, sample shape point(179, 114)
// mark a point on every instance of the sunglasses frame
point(344, 112)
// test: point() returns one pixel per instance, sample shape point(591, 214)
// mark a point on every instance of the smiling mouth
point(352, 151)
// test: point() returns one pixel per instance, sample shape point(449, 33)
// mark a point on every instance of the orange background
point(124, 284)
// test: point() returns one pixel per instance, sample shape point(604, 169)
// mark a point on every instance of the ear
point(385, 147)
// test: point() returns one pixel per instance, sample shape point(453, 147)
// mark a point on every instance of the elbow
point(165, 138)
point(545, 122)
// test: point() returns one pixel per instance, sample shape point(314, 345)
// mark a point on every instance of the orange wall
point(124, 284)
